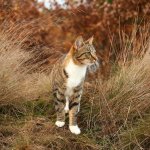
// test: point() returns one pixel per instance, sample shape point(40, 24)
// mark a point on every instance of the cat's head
point(84, 52)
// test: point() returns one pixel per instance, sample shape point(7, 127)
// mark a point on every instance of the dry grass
point(117, 104)
point(12, 74)
point(114, 112)
point(18, 82)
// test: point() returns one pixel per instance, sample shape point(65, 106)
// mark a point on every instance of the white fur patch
point(76, 75)
point(59, 123)
point(75, 129)
point(67, 105)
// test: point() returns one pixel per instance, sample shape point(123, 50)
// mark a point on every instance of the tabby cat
point(68, 76)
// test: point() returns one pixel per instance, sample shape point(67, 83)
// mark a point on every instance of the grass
point(114, 112)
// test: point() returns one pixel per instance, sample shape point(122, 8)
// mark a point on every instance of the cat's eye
point(88, 53)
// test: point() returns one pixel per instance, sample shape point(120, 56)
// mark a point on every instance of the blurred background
point(56, 24)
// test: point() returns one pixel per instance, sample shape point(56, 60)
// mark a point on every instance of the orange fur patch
point(70, 56)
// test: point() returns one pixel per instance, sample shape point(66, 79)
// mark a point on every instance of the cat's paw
point(59, 123)
point(75, 129)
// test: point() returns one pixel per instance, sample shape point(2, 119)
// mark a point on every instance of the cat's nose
point(95, 59)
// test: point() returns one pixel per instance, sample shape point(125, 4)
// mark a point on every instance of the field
point(115, 106)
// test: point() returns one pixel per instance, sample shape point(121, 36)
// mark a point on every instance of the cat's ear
point(78, 42)
point(90, 40)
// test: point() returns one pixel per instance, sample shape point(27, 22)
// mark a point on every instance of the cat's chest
point(75, 79)
point(72, 82)
point(76, 75)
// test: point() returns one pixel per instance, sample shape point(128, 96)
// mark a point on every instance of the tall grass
point(122, 103)
point(114, 112)
point(12, 73)
point(18, 82)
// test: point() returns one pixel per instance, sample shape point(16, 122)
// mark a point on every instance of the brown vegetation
point(56, 29)
point(114, 112)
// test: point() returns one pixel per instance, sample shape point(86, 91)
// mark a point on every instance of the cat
point(68, 75)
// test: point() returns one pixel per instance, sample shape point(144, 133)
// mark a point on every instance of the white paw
point(75, 129)
point(59, 123)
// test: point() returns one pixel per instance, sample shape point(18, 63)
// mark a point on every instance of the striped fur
point(68, 76)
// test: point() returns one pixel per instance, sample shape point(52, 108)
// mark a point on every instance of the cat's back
point(57, 72)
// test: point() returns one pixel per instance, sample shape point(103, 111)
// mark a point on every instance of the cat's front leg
point(59, 107)
point(73, 111)
point(60, 119)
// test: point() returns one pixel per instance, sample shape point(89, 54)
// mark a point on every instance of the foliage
point(57, 28)
point(114, 111)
